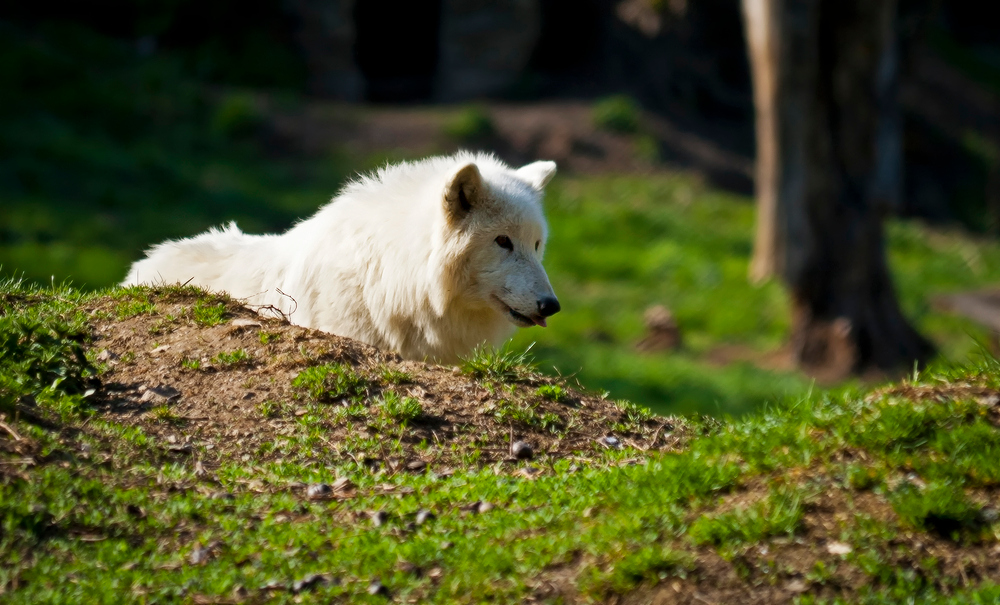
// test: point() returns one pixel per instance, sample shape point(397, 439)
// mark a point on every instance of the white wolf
point(428, 258)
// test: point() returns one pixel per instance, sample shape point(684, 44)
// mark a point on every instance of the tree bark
point(829, 170)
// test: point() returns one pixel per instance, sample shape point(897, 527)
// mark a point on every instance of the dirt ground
point(562, 131)
point(225, 410)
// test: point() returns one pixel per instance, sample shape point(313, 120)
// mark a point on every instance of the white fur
point(394, 260)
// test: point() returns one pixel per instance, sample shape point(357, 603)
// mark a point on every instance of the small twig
point(9, 429)
point(295, 302)
point(270, 308)
point(656, 435)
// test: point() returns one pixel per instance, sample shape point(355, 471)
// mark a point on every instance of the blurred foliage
point(104, 151)
point(237, 115)
point(620, 244)
point(470, 124)
point(619, 113)
point(222, 42)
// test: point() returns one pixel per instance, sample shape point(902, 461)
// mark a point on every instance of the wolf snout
point(548, 306)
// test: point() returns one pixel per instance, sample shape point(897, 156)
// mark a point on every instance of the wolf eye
point(536, 245)
point(504, 242)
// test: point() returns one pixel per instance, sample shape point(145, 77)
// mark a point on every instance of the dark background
point(684, 60)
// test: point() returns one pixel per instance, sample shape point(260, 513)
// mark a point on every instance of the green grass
point(207, 313)
point(491, 363)
point(394, 406)
point(42, 347)
point(390, 375)
point(268, 337)
point(331, 381)
point(163, 413)
point(526, 413)
point(228, 359)
point(131, 308)
point(620, 244)
point(269, 408)
point(552, 392)
point(110, 508)
point(779, 514)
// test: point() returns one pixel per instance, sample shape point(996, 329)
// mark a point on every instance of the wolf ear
point(462, 192)
point(538, 174)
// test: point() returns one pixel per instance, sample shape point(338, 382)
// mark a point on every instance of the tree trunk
point(829, 170)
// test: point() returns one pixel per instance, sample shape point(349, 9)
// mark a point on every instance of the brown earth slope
point(212, 376)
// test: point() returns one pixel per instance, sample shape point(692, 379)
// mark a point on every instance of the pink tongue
point(540, 321)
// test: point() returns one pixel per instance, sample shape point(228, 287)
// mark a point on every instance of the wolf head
point(497, 235)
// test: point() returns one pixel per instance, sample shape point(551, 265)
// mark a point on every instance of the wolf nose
point(548, 306)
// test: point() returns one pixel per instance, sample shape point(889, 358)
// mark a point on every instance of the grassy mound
point(134, 465)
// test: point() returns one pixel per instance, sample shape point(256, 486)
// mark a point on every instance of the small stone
point(989, 515)
point(423, 516)
point(242, 322)
point(522, 450)
point(435, 573)
point(484, 507)
point(916, 481)
point(342, 484)
point(180, 448)
point(838, 548)
point(318, 491)
point(240, 592)
point(408, 568)
point(273, 586)
point(378, 588)
point(528, 472)
point(107, 355)
point(610, 441)
point(159, 394)
point(447, 544)
point(200, 555)
point(796, 585)
point(160, 349)
point(222, 496)
point(416, 466)
point(379, 518)
point(308, 582)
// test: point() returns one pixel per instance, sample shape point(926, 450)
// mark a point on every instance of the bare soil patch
point(225, 392)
